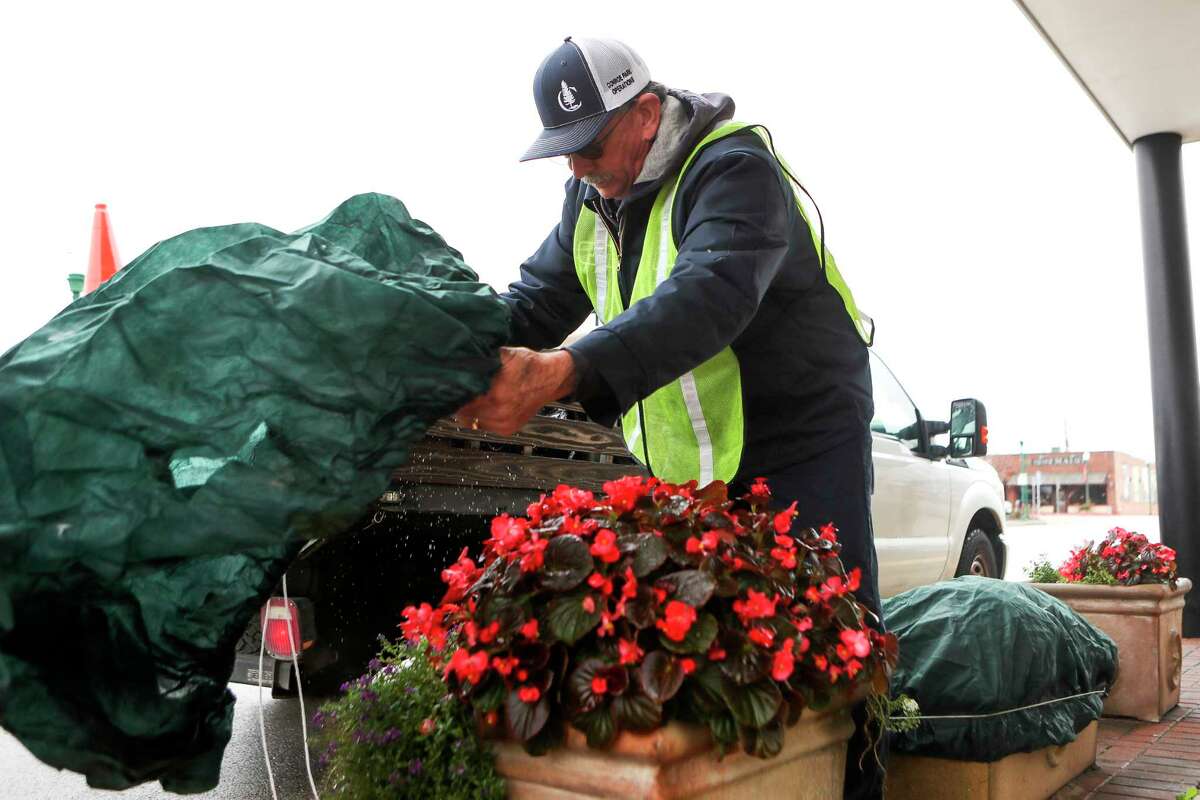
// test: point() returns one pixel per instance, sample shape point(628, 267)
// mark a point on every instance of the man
point(729, 347)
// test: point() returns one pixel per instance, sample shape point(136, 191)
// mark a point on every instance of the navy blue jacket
point(747, 276)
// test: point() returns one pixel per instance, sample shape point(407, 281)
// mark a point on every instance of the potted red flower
point(637, 637)
point(1127, 586)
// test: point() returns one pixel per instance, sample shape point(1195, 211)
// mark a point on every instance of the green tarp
point(972, 647)
point(169, 441)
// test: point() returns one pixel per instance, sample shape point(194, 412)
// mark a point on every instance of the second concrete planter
point(1146, 622)
point(680, 761)
point(1019, 776)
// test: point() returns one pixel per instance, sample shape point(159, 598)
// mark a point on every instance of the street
point(244, 776)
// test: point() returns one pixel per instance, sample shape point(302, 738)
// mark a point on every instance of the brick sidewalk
point(1148, 759)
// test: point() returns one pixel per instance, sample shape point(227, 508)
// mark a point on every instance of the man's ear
point(647, 111)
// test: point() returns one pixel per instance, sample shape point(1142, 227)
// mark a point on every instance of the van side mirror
point(968, 428)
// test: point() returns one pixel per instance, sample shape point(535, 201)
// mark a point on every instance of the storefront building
point(1105, 482)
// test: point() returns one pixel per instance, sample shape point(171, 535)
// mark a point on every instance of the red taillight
point(278, 617)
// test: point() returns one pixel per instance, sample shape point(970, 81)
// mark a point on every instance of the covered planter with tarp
point(168, 442)
point(997, 668)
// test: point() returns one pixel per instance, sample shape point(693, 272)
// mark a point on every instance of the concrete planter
point(1146, 622)
point(1020, 776)
point(680, 761)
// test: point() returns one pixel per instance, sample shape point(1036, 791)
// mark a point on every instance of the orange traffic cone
point(103, 262)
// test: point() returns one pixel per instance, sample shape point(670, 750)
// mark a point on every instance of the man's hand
point(527, 380)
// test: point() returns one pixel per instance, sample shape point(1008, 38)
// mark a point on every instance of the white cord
point(1009, 711)
point(262, 725)
point(300, 693)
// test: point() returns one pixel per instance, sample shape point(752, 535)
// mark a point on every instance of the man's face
point(625, 141)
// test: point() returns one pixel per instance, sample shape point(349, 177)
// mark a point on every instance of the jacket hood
point(686, 117)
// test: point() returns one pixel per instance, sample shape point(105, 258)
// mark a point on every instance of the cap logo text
point(566, 98)
point(621, 82)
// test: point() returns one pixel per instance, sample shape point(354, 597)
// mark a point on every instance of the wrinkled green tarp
point(976, 646)
point(168, 442)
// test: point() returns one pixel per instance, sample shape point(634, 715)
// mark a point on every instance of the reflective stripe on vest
point(694, 424)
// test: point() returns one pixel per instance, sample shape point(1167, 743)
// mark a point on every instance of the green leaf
point(637, 712)
point(489, 696)
point(716, 521)
point(701, 694)
point(567, 563)
point(533, 655)
point(677, 533)
point(649, 551)
point(753, 706)
point(567, 619)
point(660, 675)
point(795, 707)
point(765, 742)
point(580, 697)
point(690, 585)
point(549, 737)
point(744, 663)
point(676, 505)
point(727, 584)
point(699, 638)
point(599, 726)
point(524, 720)
point(820, 700)
point(642, 610)
point(508, 611)
point(489, 578)
point(724, 729)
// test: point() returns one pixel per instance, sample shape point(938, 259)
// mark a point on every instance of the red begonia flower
point(678, 621)
point(764, 637)
point(604, 546)
point(629, 651)
point(783, 520)
point(783, 662)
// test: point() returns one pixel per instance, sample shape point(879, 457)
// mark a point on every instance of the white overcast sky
point(981, 207)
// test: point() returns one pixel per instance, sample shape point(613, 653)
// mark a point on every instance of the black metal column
point(1174, 381)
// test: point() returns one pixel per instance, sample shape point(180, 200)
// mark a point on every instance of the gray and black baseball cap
point(579, 88)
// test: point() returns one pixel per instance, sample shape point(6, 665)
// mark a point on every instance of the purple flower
point(345, 687)
point(392, 735)
point(369, 696)
point(364, 681)
point(374, 665)
point(394, 778)
point(319, 719)
point(414, 767)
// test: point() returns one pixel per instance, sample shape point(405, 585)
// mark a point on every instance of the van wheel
point(978, 556)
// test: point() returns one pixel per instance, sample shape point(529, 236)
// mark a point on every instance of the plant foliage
point(1124, 558)
point(652, 603)
point(396, 732)
point(1040, 570)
